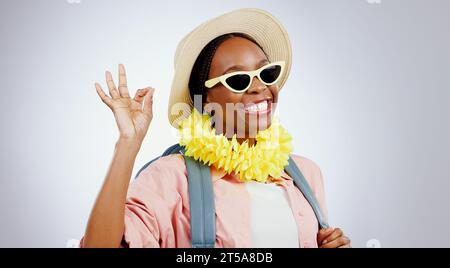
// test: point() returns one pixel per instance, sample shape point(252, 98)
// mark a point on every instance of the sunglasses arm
point(212, 82)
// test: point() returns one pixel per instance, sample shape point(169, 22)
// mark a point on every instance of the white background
point(367, 100)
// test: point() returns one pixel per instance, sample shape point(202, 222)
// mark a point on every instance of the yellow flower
point(257, 162)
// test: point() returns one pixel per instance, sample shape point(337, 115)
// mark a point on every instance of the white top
point(272, 221)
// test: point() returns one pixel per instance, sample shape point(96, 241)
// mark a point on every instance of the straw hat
point(257, 23)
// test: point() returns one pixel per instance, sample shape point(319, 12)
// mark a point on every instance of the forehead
point(237, 51)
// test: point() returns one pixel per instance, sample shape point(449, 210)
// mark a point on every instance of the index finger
point(323, 233)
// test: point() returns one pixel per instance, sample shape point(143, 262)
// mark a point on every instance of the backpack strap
point(201, 197)
point(304, 187)
point(176, 148)
point(201, 203)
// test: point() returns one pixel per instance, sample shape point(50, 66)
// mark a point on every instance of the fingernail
point(324, 242)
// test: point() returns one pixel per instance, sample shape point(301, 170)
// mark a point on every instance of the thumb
point(148, 102)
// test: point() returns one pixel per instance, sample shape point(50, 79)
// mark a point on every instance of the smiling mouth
point(262, 107)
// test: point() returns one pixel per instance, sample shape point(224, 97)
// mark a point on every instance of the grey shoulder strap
point(201, 197)
point(201, 203)
point(303, 185)
point(176, 148)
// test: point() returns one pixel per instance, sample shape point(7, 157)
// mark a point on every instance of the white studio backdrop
point(367, 100)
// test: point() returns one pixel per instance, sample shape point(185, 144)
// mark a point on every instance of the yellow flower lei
point(267, 157)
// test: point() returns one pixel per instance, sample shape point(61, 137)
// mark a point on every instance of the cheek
point(274, 90)
point(222, 96)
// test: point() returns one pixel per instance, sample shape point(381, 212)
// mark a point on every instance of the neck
point(250, 141)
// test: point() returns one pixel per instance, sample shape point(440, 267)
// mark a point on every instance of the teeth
point(262, 106)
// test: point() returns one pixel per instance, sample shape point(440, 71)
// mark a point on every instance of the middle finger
point(334, 235)
point(123, 89)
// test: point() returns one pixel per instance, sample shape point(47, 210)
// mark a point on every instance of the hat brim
point(267, 31)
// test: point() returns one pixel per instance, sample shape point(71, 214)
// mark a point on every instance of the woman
point(256, 202)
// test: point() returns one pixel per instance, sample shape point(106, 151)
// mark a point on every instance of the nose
point(256, 86)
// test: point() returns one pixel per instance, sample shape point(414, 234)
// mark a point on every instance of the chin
point(255, 125)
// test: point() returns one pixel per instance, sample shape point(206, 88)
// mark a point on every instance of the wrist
point(132, 144)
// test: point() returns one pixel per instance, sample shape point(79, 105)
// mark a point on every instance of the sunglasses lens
point(238, 82)
point(270, 74)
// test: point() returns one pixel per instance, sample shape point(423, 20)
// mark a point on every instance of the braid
point(202, 65)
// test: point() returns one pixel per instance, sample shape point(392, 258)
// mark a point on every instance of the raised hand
point(133, 116)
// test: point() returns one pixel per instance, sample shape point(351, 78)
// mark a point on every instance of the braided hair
point(202, 65)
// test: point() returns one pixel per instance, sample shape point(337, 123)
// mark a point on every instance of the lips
point(261, 107)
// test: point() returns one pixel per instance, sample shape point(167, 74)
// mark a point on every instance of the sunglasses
point(240, 81)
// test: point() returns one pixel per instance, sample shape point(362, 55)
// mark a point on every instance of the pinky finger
point(107, 100)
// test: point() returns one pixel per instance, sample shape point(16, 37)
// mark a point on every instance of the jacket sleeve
point(154, 204)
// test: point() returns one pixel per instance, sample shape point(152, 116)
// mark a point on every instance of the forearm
point(105, 227)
